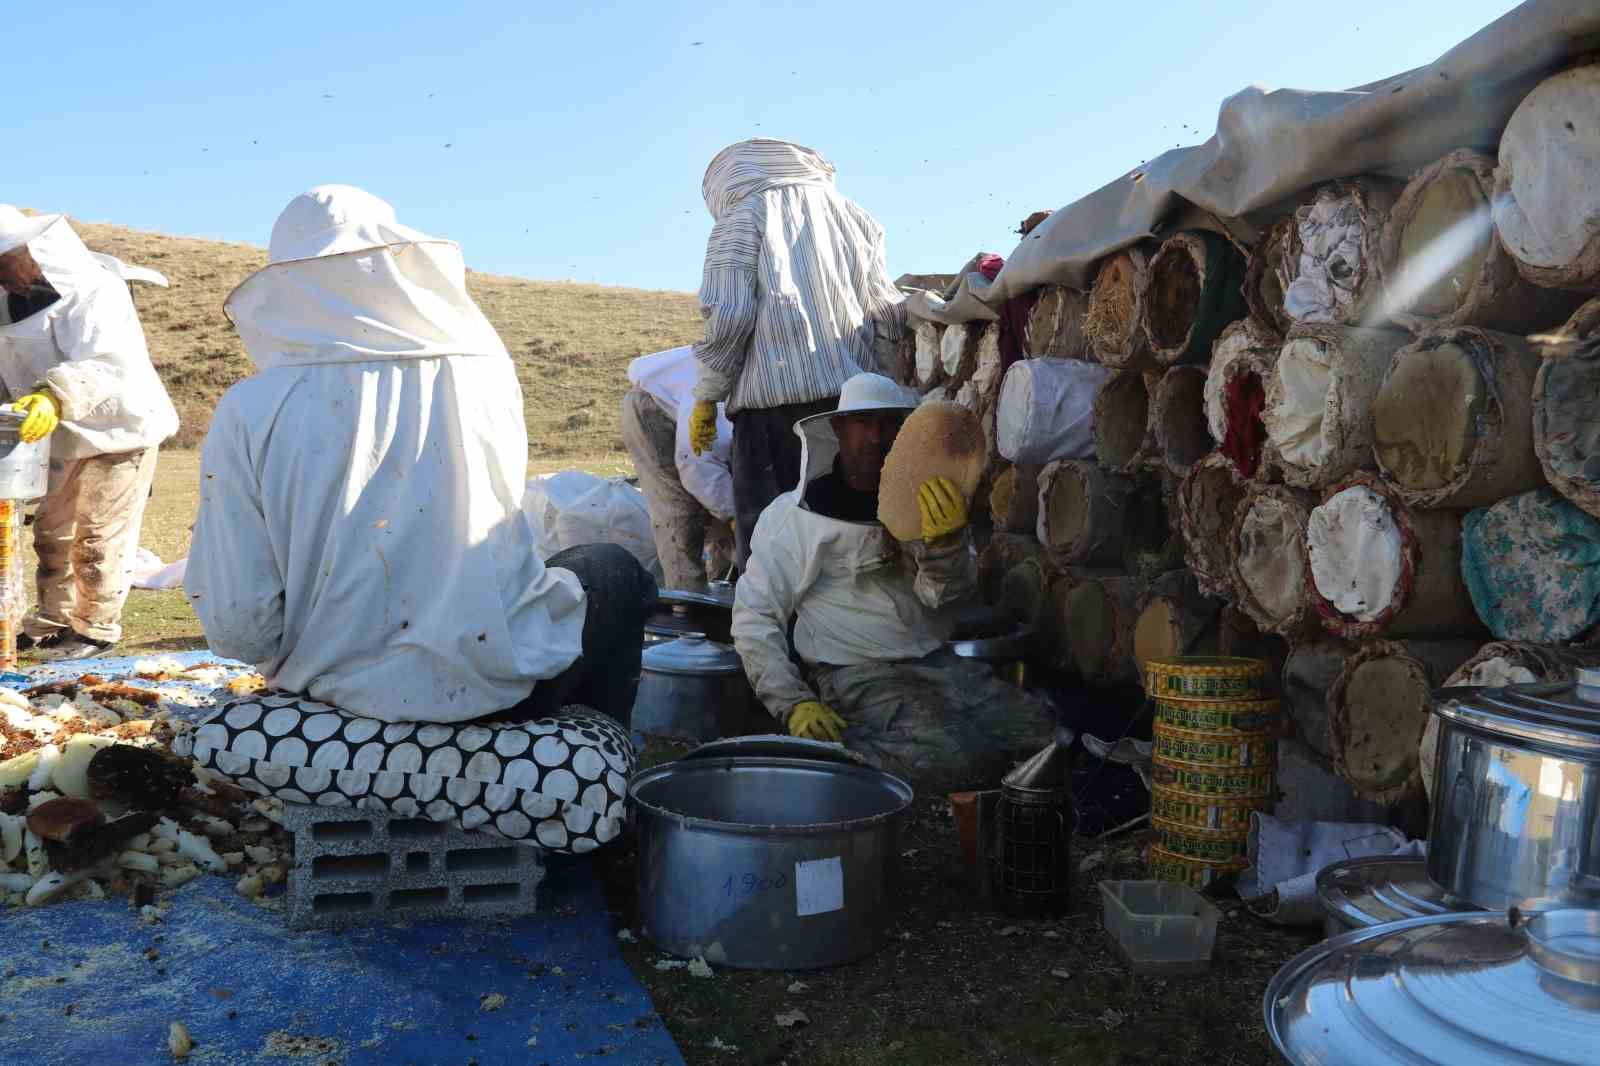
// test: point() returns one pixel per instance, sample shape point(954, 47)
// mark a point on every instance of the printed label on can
point(1195, 811)
point(1215, 749)
point(1256, 716)
point(1213, 781)
point(1198, 844)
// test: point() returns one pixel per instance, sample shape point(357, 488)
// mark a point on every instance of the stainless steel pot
point(1515, 791)
point(768, 862)
point(24, 467)
point(692, 689)
point(1362, 893)
point(1451, 989)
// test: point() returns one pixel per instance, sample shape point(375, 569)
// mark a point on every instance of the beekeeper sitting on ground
point(871, 616)
point(360, 534)
point(73, 360)
point(690, 495)
point(361, 539)
point(796, 299)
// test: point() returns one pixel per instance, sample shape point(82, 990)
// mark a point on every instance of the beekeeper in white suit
point(690, 494)
point(871, 616)
point(796, 299)
point(360, 536)
point(73, 358)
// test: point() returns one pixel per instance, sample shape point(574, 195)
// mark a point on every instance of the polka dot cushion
point(559, 782)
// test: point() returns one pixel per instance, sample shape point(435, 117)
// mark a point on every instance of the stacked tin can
point(1215, 759)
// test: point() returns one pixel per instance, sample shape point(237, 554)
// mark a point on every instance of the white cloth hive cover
point(951, 347)
point(1295, 420)
point(928, 344)
point(1270, 539)
point(1356, 553)
point(574, 507)
point(360, 537)
point(1046, 408)
point(1330, 258)
point(1285, 857)
point(560, 782)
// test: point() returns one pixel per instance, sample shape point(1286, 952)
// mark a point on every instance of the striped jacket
point(795, 295)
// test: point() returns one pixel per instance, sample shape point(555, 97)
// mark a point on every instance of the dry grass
point(571, 342)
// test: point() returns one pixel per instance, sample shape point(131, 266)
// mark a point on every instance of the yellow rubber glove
point(942, 507)
point(702, 426)
point(816, 721)
point(42, 415)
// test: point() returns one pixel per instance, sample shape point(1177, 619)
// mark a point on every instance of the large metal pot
point(1515, 790)
point(768, 862)
point(1451, 989)
point(24, 467)
point(1362, 893)
point(692, 689)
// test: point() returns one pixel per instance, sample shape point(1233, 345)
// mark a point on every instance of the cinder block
point(354, 866)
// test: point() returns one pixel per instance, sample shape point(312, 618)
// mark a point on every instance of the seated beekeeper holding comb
point(871, 616)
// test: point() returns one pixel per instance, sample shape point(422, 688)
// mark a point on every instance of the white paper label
point(818, 886)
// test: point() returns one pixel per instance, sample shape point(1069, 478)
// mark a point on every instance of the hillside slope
point(571, 342)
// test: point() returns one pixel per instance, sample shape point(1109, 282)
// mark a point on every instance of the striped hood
point(757, 165)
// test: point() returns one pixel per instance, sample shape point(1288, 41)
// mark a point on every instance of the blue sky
point(567, 140)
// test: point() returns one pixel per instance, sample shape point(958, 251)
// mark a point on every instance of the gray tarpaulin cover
point(1273, 145)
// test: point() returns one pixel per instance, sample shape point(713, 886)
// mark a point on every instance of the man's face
point(864, 441)
point(18, 271)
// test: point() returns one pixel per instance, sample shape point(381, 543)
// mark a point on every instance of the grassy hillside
point(571, 342)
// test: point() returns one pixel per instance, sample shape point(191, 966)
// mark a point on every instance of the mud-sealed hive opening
point(1270, 560)
point(1378, 720)
point(1264, 280)
point(1210, 498)
point(1181, 418)
point(1427, 417)
point(1173, 300)
point(1068, 507)
point(1444, 244)
point(1092, 627)
point(1122, 418)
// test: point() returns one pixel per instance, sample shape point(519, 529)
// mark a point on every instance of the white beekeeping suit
point(360, 534)
point(77, 336)
point(690, 496)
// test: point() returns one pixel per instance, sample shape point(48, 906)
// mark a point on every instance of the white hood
point(348, 284)
point(88, 347)
point(360, 535)
point(757, 165)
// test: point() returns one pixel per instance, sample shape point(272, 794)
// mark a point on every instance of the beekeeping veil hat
point(17, 229)
point(345, 282)
point(861, 394)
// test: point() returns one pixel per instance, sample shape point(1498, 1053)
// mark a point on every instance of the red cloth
point(1243, 400)
point(1014, 328)
point(989, 264)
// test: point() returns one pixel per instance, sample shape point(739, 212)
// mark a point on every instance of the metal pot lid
point(716, 594)
point(1366, 892)
point(1457, 989)
point(776, 745)
point(1556, 714)
point(693, 655)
